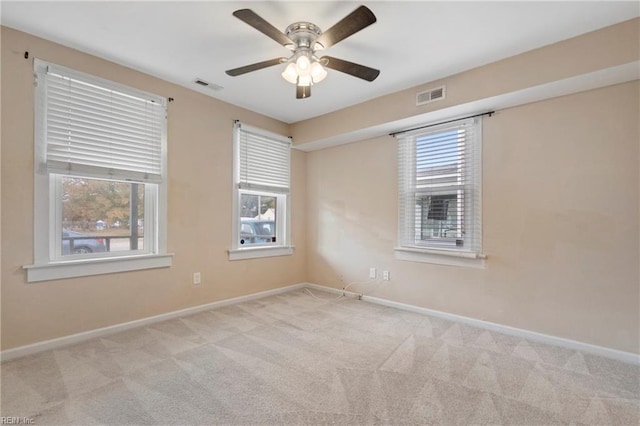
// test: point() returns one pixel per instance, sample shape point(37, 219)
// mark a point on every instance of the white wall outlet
point(385, 275)
point(372, 273)
point(197, 278)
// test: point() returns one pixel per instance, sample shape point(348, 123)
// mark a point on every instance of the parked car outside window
point(81, 245)
point(257, 231)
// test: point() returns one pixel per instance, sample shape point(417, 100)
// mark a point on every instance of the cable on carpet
point(344, 290)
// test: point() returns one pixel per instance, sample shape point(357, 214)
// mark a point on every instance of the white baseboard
point(626, 357)
point(99, 332)
point(34, 348)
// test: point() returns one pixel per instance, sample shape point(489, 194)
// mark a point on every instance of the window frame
point(49, 263)
point(282, 246)
point(56, 219)
point(280, 219)
point(439, 250)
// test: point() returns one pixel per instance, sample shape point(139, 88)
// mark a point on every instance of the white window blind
point(102, 129)
point(440, 186)
point(264, 160)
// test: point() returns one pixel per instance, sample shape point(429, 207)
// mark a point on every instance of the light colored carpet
point(293, 359)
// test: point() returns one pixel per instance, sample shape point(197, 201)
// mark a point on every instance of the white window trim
point(452, 256)
point(441, 257)
point(258, 252)
point(46, 265)
point(86, 267)
point(253, 252)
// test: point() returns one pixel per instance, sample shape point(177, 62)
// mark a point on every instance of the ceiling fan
point(305, 39)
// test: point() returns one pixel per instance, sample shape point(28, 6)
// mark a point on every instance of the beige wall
point(560, 221)
point(561, 203)
point(199, 210)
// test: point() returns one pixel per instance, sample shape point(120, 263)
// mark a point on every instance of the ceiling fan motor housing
point(303, 34)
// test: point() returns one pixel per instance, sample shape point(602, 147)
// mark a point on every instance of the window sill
point(85, 267)
point(441, 257)
point(257, 252)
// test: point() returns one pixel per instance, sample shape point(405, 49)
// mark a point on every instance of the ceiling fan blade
point(360, 18)
point(303, 92)
point(350, 68)
point(249, 17)
point(255, 67)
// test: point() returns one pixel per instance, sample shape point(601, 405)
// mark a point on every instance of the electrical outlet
point(372, 273)
point(197, 278)
point(385, 275)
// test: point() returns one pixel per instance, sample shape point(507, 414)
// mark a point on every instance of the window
point(120, 205)
point(100, 184)
point(261, 193)
point(440, 193)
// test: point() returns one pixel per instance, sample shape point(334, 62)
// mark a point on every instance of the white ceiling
point(412, 42)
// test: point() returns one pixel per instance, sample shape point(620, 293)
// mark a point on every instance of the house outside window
point(261, 224)
point(440, 193)
point(100, 176)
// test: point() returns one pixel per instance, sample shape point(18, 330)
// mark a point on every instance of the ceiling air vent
point(430, 95)
point(201, 82)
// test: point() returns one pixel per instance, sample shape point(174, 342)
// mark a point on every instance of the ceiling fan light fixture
point(305, 71)
point(290, 74)
point(318, 73)
point(303, 64)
